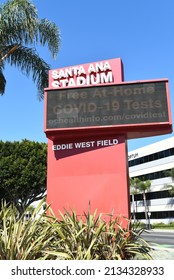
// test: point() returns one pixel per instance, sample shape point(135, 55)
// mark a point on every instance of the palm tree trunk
point(145, 208)
point(9, 52)
point(133, 206)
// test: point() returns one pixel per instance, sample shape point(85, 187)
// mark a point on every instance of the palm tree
point(143, 187)
point(170, 173)
point(20, 32)
point(133, 190)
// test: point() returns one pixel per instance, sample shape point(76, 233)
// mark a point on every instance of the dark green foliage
point(22, 172)
point(170, 173)
point(21, 31)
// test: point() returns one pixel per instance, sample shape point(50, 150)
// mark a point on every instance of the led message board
point(111, 105)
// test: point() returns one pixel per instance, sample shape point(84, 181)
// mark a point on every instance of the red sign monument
point(90, 112)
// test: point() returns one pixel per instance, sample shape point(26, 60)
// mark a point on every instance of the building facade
point(151, 163)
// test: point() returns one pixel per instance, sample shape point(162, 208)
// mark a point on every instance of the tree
point(22, 172)
point(143, 187)
point(170, 173)
point(20, 32)
point(133, 190)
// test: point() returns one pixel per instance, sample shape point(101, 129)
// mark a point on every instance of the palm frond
point(50, 35)
point(29, 62)
point(18, 19)
point(20, 32)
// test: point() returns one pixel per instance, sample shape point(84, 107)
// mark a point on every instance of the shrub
point(24, 240)
point(89, 237)
point(70, 237)
point(163, 225)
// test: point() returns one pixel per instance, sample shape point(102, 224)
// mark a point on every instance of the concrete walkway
point(162, 253)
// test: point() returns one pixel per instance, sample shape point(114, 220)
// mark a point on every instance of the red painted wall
point(96, 174)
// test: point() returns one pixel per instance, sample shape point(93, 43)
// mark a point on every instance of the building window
point(154, 175)
point(155, 156)
point(156, 215)
point(151, 195)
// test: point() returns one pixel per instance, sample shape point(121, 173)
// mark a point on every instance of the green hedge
point(163, 225)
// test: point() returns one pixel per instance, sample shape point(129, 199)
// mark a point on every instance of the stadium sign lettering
point(96, 73)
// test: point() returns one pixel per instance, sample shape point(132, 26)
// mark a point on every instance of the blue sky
point(141, 33)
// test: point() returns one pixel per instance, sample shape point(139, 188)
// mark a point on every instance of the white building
point(151, 162)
